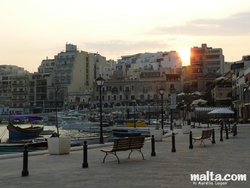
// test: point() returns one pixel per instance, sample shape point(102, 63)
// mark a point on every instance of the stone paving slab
point(166, 169)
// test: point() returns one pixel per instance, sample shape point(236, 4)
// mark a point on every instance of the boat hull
point(137, 124)
point(20, 147)
point(17, 133)
point(90, 140)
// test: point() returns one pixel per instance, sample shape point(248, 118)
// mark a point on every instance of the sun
point(185, 56)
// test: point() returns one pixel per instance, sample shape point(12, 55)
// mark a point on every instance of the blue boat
point(19, 133)
point(122, 133)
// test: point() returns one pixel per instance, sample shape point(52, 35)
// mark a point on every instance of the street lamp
point(57, 88)
point(100, 82)
point(183, 105)
point(172, 103)
point(134, 114)
point(148, 113)
point(161, 91)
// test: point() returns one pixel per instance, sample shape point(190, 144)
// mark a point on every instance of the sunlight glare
point(185, 55)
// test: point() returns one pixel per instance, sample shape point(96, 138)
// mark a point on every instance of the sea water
point(4, 134)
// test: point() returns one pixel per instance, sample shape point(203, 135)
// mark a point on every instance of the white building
point(153, 61)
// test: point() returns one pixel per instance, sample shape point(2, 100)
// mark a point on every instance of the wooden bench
point(206, 134)
point(124, 144)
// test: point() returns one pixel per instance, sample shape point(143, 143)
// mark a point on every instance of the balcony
point(114, 91)
point(19, 92)
point(126, 91)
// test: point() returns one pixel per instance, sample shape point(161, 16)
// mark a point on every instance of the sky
point(32, 30)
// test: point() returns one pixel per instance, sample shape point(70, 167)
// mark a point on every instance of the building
point(144, 89)
point(7, 99)
point(73, 74)
point(20, 89)
point(153, 61)
point(204, 60)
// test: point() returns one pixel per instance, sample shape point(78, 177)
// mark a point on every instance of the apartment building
point(153, 61)
point(205, 60)
point(73, 75)
point(6, 74)
point(19, 93)
point(144, 88)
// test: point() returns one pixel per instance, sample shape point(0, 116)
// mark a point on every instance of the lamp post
point(134, 114)
point(148, 113)
point(57, 88)
point(100, 82)
point(183, 104)
point(161, 91)
point(172, 104)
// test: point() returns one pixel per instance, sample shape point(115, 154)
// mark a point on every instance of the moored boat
point(19, 147)
point(126, 134)
point(20, 133)
point(77, 141)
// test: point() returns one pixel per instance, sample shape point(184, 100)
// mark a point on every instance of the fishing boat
point(21, 133)
point(76, 121)
point(125, 133)
point(19, 147)
point(78, 141)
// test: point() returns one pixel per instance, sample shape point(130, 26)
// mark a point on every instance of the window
point(148, 97)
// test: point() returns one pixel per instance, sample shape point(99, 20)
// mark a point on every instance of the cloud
point(237, 24)
point(118, 47)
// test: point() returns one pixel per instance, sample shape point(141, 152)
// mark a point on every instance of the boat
point(76, 121)
point(126, 134)
point(19, 147)
point(21, 133)
point(78, 141)
point(136, 123)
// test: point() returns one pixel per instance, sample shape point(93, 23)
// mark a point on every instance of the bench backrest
point(128, 143)
point(206, 133)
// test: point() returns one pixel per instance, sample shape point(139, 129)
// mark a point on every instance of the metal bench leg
point(141, 154)
point(202, 141)
point(130, 154)
point(137, 150)
point(114, 155)
point(103, 161)
point(210, 140)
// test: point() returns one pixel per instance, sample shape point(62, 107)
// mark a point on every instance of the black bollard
point(213, 137)
point(25, 171)
point(85, 155)
point(153, 146)
point(173, 143)
point(190, 140)
point(221, 132)
point(226, 132)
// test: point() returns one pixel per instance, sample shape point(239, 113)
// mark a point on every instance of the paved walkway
point(166, 169)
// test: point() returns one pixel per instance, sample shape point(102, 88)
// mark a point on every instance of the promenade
point(166, 169)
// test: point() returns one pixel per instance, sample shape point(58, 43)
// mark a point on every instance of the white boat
point(78, 141)
point(76, 121)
